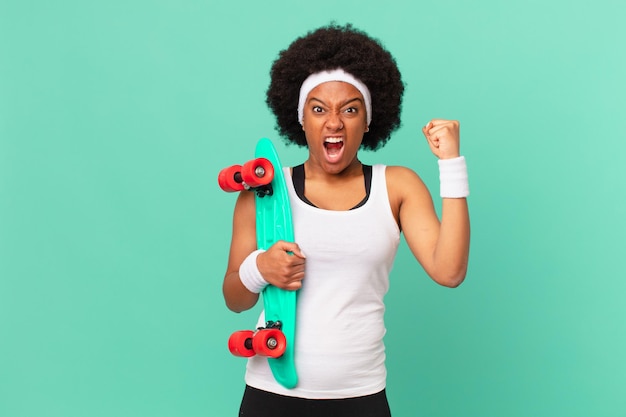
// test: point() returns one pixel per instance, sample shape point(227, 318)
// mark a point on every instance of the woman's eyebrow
point(348, 101)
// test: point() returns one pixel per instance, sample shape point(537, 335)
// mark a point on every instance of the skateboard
point(264, 176)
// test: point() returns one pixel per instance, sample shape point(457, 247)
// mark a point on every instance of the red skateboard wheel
point(269, 342)
point(229, 179)
point(257, 172)
point(240, 343)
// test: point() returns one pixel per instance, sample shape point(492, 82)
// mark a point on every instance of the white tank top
point(339, 332)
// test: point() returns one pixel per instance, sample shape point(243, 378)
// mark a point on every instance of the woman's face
point(334, 121)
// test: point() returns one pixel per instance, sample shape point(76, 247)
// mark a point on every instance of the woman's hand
point(282, 265)
point(443, 138)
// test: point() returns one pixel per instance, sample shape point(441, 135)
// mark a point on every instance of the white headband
point(334, 75)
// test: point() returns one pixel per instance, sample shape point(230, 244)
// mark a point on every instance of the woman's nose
point(334, 121)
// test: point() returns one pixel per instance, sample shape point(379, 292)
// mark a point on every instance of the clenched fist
point(443, 138)
point(282, 265)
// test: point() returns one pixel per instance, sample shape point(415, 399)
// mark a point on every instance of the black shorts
point(259, 403)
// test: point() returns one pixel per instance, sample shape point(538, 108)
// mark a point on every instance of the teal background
point(115, 118)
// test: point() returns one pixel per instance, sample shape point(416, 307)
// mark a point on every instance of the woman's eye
point(317, 109)
point(351, 110)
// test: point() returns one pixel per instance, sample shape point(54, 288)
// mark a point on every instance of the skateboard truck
point(272, 325)
point(264, 190)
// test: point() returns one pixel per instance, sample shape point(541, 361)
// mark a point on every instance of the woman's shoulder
point(397, 173)
point(402, 181)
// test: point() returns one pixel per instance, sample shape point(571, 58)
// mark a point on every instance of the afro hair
point(329, 48)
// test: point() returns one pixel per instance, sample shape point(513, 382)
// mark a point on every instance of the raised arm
point(441, 247)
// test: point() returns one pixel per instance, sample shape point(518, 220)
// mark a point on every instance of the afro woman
point(336, 91)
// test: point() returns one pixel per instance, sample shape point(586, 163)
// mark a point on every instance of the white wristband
point(250, 275)
point(453, 180)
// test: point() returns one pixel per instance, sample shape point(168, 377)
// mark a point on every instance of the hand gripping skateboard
point(264, 176)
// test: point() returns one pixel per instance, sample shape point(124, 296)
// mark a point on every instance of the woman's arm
point(282, 265)
point(243, 242)
point(441, 247)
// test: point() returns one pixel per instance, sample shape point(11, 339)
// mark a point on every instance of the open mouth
point(333, 146)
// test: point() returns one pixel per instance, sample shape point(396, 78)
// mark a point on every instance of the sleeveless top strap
point(298, 184)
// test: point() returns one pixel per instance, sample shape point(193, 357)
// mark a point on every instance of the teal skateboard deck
point(273, 223)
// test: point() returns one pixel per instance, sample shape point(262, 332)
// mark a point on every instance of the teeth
point(333, 140)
